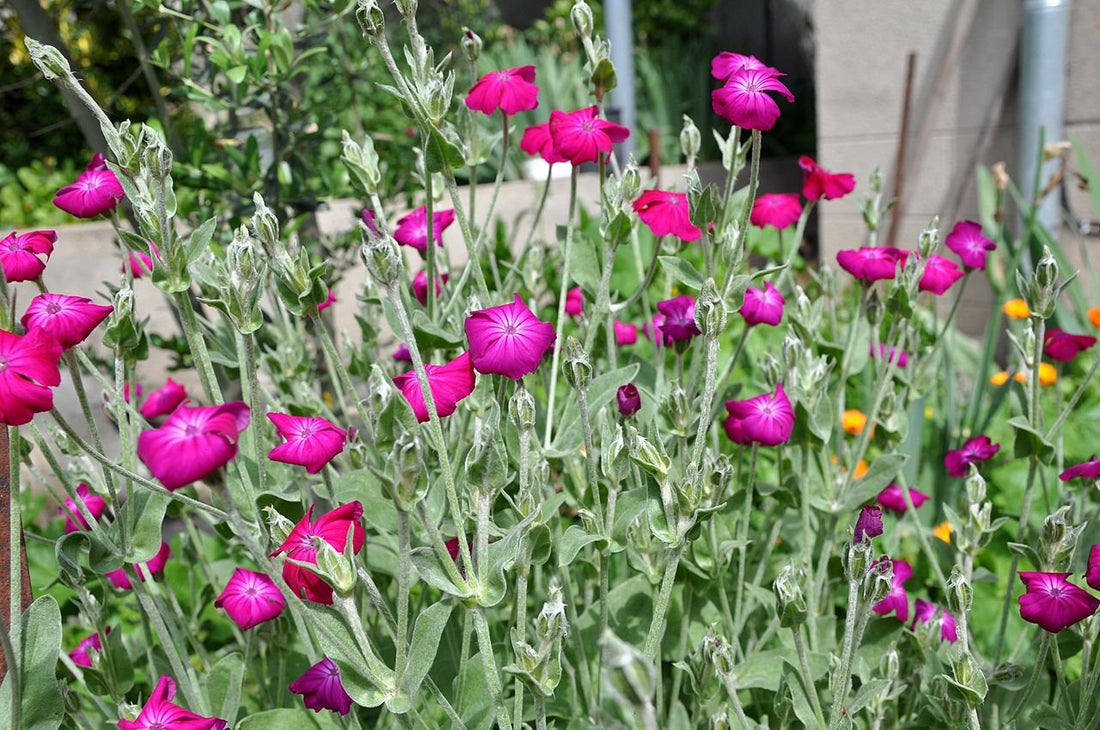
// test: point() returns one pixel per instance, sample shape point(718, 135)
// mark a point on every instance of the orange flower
point(1048, 374)
point(943, 531)
point(1016, 308)
point(853, 421)
point(999, 379)
point(1094, 316)
point(1020, 378)
point(861, 469)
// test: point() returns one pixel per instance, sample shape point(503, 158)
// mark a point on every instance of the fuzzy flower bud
point(717, 653)
point(889, 664)
point(521, 409)
point(471, 44)
point(127, 143)
point(876, 582)
point(371, 18)
point(1044, 289)
point(792, 351)
point(690, 141)
point(960, 594)
point(678, 409)
point(279, 526)
point(48, 59)
point(630, 181)
point(551, 623)
point(975, 486)
point(710, 310)
point(407, 8)
point(577, 368)
point(646, 455)
point(156, 157)
point(874, 309)
point(857, 559)
point(788, 594)
point(361, 162)
point(382, 258)
point(581, 15)
point(929, 238)
point(122, 331)
point(264, 222)
point(334, 566)
point(772, 370)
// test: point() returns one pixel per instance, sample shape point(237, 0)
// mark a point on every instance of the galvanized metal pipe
point(619, 22)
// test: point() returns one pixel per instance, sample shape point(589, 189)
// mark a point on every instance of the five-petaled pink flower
point(742, 100)
point(1062, 346)
point(968, 243)
point(872, 263)
point(818, 183)
point(762, 306)
point(155, 566)
point(574, 302)
point(420, 285)
point(900, 357)
point(939, 274)
point(412, 229)
point(28, 369)
point(779, 210)
point(512, 91)
point(581, 136)
point(81, 655)
point(67, 319)
point(868, 524)
point(926, 612)
point(666, 214)
point(508, 339)
point(1054, 603)
point(897, 599)
point(250, 598)
point(75, 520)
point(193, 442)
point(1089, 470)
point(677, 317)
point(163, 400)
point(95, 191)
point(1092, 572)
point(332, 527)
point(892, 498)
point(19, 254)
point(449, 384)
point(537, 140)
point(974, 451)
point(727, 63)
point(160, 714)
point(321, 688)
point(625, 333)
point(767, 419)
point(311, 442)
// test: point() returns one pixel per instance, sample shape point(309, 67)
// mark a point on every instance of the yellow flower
point(943, 531)
point(999, 379)
point(853, 421)
point(1048, 374)
point(1016, 308)
point(1094, 316)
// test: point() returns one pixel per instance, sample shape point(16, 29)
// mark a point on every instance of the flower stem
point(492, 677)
point(559, 325)
point(660, 610)
point(13, 639)
point(404, 572)
point(807, 675)
point(197, 345)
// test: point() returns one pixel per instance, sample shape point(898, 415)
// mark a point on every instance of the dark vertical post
point(903, 145)
point(6, 498)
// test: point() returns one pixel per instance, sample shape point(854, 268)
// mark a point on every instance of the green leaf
point(425, 644)
point(41, 703)
point(223, 686)
point(682, 271)
point(870, 689)
point(146, 530)
point(584, 266)
point(431, 572)
point(379, 511)
point(1030, 442)
point(199, 240)
point(878, 476)
point(440, 153)
point(431, 336)
point(237, 74)
point(340, 645)
point(575, 538)
point(284, 719)
point(762, 670)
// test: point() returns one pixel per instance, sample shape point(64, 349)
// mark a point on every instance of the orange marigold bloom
point(853, 421)
point(1094, 316)
point(861, 469)
point(1020, 378)
point(999, 379)
point(1048, 374)
point(1016, 308)
point(943, 531)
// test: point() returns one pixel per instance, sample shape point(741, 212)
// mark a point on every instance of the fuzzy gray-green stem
point(742, 538)
point(559, 325)
point(807, 675)
point(921, 530)
point(13, 641)
point(738, 710)
point(660, 609)
point(404, 572)
point(197, 345)
point(1036, 675)
point(843, 679)
point(492, 677)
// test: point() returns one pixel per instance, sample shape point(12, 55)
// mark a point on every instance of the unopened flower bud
point(1044, 288)
point(771, 369)
point(156, 157)
point(265, 224)
point(868, 524)
point(716, 652)
point(960, 594)
point(876, 180)
point(439, 95)
point(122, 331)
point(471, 44)
point(521, 409)
point(720, 720)
point(1001, 179)
point(581, 15)
point(889, 664)
point(721, 474)
point(279, 526)
point(678, 409)
point(630, 181)
point(628, 399)
point(874, 309)
point(50, 61)
point(929, 238)
point(733, 248)
point(407, 8)
point(127, 143)
point(856, 559)
point(371, 18)
point(690, 141)
point(334, 567)
point(382, 258)
point(577, 368)
point(975, 486)
point(646, 455)
point(876, 582)
point(788, 594)
point(710, 310)
point(361, 162)
point(551, 623)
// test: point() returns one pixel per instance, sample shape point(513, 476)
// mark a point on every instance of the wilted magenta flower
point(780, 210)
point(762, 306)
point(625, 333)
point(581, 136)
point(512, 91)
point(321, 688)
point(1092, 573)
point(868, 524)
point(574, 302)
point(1089, 470)
point(28, 369)
point(727, 63)
point(926, 612)
point(818, 183)
point(160, 714)
point(81, 654)
point(370, 220)
point(420, 285)
point(163, 400)
point(19, 254)
point(974, 451)
point(155, 566)
point(1053, 602)
point(538, 141)
point(402, 354)
point(250, 598)
point(449, 384)
point(897, 599)
point(412, 229)
point(939, 274)
point(1062, 346)
point(193, 442)
point(95, 191)
point(67, 319)
point(741, 100)
point(678, 319)
point(892, 498)
point(74, 518)
point(666, 214)
point(968, 243)
point(332, 527)
point(872, 263)
point(629, 400)
point(901, 357)
point(311, 442)
point(767, 419)
point(508, 339)
point(330, 299)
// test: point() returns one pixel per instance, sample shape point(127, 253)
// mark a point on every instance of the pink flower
point(330, 299)
point(508, 339)
point(574, 302)
point(310, 442)
point(321, 688)
point(412, 229)
point(872, 263)
point(19, 254)
point(767, 419)
point(625, 333)
point(1089, 470)
point(868, 524)
point(762, 306)
point(1062, 346)
point(901, 357)
point(580, 136)
point(1053, 602)
point(628, 399)
point(160, 714)
point(726, 64)
point(332, 527)
point(28, 369)
point(402, 354)
point(67, 319)
point(192, 443)
point(968, 243)
point(666, 214)
point(420, 285)
point(140, 263)
point(925, 612)
point(250, 599)
point(897, 599)
point(163, 400)
point(155, 566)
point(818, 183)
point(974, 451)
point(370, 220)
point(779, 210)
point(81, 655)
point(95, 191)
point(1092, 573)
point(741, 101)
point(892, 498)
point(939, 274)
point(538, 141)
point(512, 91)
point(449, 384)
point(677, 319)
point(74, 518)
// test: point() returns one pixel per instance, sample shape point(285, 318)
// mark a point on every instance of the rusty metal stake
point(6, 498)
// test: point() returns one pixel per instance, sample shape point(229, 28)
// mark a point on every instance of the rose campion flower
point(160, 714)
point(1089, 470)
point(537, 140)
point(974, 451)
point(1054, 603)
point(67, 319)
point(727, 63)
point(818, 183)
point(574, 302)
point(968, 243)
point(625, 333)
point(163, 400)
point(402, 354)
point(892, 498)
point(926, 612)
point(762, 306)
point(28, 369)
point(742, 100)
point(897, 599)
point(512, 91)
point(95, 191)
point(193, 443)
point(666, 214)
point(321, 688)
point(81, 655)
point(872, 263)
point(139, 263)
point(767, 419)
point(900, 357)
point(420, 285)
point(250, 599)
point(939, 274)
point(1092, 573)
point(678, 319)
point(19, 255)
point(628, 399)
point(332, 527)
point(412, 229)
point(155, 565)
point(868, 524)
point(310, 441)
point(581, 136)
point(449, 384)
point(779, 210)
point(508, 339)
point(370, 220)
point(74, 518)
point(1063, 347)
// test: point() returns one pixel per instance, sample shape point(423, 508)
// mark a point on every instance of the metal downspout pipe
point(619, 21)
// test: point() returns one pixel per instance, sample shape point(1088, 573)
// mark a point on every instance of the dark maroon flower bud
point(869, 524)
point(629, 400)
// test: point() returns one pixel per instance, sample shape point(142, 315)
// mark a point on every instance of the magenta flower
point(139, 262)
point(332, 527)
point(574, 302)
point(580, 136)
point(892, 498)
point(1089, 470)
point(762, 306)
point(160, 714)
point(81, 655)
point(330, 299)
point(742, 100)
point(512, 91)
point(412, 229)
point(538, 141)
point(1092, 573)
point(508, 339)
point(449, 384)
point(628, 399)
point(868, 524)
point(726, 64)
point(780, 210)
point(420, 285)
point(939, 274)
point(163, 400)
point(872, 263)
point(19, 254)
point(28, 369)
point(974, 451)
point(95, 191)
point(1062, 346)
point(155, 566)
point(901, 357)
point(310, 441)
point(926, 612)
point(67, 319)
point(1053, 602)
point(897, 599)
point(968, 243)
point(767, 419)
point(666, 214)
point(402, 354)
point(250, 599)
point(193, 443)
point(74, 518)
point(321, 688)
point(678, 319)
point(370, 220)
point(818, 183)
point(625, 333)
